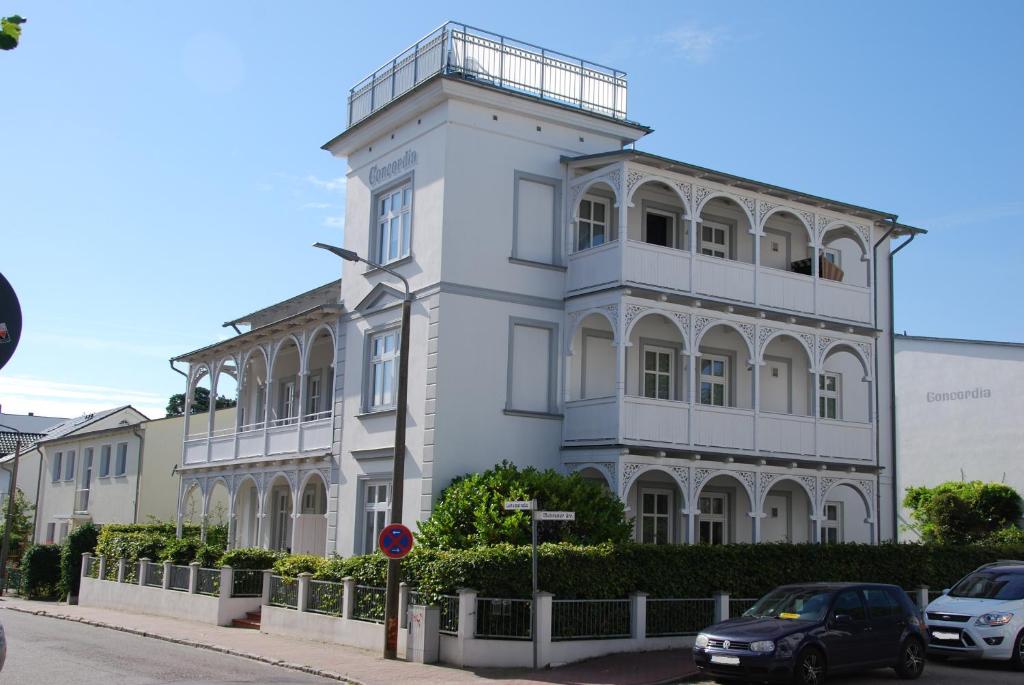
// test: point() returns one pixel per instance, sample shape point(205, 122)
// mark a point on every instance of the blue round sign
point(395, 541)
point(10, 321)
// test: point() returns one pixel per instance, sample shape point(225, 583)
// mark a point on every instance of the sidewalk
point(360, 667)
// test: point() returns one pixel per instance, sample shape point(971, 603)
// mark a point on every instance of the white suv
point(982, 616)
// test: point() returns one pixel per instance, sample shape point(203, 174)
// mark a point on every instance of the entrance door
point(282, 519)
point(775, 524)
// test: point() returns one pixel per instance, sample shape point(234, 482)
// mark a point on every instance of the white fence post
point(638, 615)
point(143, 570)
point(348, 598)
point(922, 597)
point(103, 567)
point(403, 605)
point(265, 597)
point(227, 583)
point(543, 603)
point(122, 569)
point(193, 578)
point(302, 597)
point(721, 607)
point(86, 563)
point(467, 622)
point(167, 574)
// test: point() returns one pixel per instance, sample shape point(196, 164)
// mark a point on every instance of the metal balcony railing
point(496, 60)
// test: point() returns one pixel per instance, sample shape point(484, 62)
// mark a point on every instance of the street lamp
point(12, 490)
point(398, 462)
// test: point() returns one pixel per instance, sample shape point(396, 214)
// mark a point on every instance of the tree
point(471, 511)
point(962, 512)
point(10, 31)
point(200, 403)
point(21, 523)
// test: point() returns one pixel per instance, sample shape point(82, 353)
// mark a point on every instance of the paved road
point(51, 652)
point(946, 673)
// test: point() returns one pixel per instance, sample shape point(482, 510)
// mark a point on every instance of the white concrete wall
point(323, 628)
point(142, 599)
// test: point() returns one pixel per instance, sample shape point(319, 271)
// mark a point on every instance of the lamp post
point(11, 491)
point(398, 462)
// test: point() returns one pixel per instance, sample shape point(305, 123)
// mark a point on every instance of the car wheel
point(1017, 658)
point(810, 668)
point(911, 663)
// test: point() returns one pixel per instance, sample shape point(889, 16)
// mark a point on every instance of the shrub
point(21, 525)
point(1006, 536)
point(250, 558)
point(130, 545)
point(79, 541)
point(40, 572)
point(962, 512)
point(292, 565)
point(471, 513)
point(208, 556)
point(181, 551)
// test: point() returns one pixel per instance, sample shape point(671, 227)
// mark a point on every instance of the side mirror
point(842, 619)
point(946, 591)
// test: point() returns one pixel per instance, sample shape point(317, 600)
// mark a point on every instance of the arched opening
point(726, 376)
point(595, 475)
point(724, 516)
point(846, 516)
point(218, 504)
point(784, 379)
point(225, 395)
point(284, 384)
point(655, 500)
point(843, 248)
point(785, 241)
point(252, 392)
point(191, 511)
point(279, 508)
point(844, 388)
point(596, 221)
point(311, 523)
point(787, 510)
point(656, 360)
point(656, 216)
point(246, 512)
point(593, 361)
point(725, 231)
point(318, 403)
point(199, 417)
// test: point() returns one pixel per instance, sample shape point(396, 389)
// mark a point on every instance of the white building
point(959, 405)
point(714, 349)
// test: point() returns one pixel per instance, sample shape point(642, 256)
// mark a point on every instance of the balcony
point(282, 437)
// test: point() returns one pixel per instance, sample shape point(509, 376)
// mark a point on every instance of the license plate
point(725, 660)
point(938, 635)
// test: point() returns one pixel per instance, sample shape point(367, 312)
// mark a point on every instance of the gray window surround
point(613, 219)
point(556, 237)
point(361, 482)
point(368, 336)
point(730, 356)
point(788, 364)
point(786, 241)
point(731, 223)
point(678, 215)
point(552, 389)
point(678, 362)
point(590, 333)
point(406, 179)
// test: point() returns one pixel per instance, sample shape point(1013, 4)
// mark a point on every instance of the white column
point(542, 602)
point(721, 606)
point(303, 591)
point(638, 615)
point(193, 578)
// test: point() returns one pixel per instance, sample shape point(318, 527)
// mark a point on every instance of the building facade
point(26, 428)
point(711, 348)
point(958, 409)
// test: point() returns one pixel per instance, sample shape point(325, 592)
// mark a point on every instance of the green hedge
point(157, 541)
point(40, 569)
point(250, 558)
point(79, 541)
point(608, 571)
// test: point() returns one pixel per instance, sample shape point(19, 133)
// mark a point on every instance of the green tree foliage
point(40, 572)
point(200, 403)
point(292, 565)
point(962, 512)
point(158, 542)
point(10, 31)
point(250, 558)
point(79, 541)
point(471, 513)
point(21, 524)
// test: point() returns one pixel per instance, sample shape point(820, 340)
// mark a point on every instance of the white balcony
point(723, 427)
point(655, 266)
point(665, 422)
point(786, 290)
point(287, 437)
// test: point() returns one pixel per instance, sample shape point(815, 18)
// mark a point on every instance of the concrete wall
point(141, 599)
point(323, 628)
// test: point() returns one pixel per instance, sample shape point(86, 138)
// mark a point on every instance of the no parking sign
point(395, 541)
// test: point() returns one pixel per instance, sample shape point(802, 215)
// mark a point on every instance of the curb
point(192, 643)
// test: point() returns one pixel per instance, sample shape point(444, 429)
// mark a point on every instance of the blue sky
point(162, 170)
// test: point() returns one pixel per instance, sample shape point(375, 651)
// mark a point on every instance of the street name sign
point(555, 515)
point(521, 505)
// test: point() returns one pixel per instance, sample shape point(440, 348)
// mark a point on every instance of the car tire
point(911, 661)
point(1017, 657)
point(810, 668)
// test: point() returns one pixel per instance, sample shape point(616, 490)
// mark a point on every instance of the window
point(314, 392)
point(376, 507)
point(832, 255)
point(104, 461)
point(531, 366)
point(592, 227)
point(69, 465)
point(55, 476)
point(659, 378)
point(261, 405)
point(714, 520)
point(850, 604)
point(394, 219)
point(659, 228)
point(832, 525)
point(714, 380)
point(828, 395)
point(881, 604)
point(63, 533)
point(50, 529)
point(286, 408)
point(714, 239)
point(312, 498)
point(655, 517)
point(122, 459)
point(382, 372)
point(86, 468)
point(535, 218)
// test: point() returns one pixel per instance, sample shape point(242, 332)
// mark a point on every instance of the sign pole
point(533, 614)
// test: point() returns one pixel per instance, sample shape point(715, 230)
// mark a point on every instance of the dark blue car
point(802, 633)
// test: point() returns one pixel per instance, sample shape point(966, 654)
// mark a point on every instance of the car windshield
point(794, 604)
point(990, 585)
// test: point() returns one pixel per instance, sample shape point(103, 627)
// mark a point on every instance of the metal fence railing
point(208, 582)
point(154, 574)
point(368, 604)
point(325, 597)
point(737, 607)
point(247, 583)
point(579, 619)
point(179, 578)
point(504, 619)
point(449, 614)
point(679, 616)
point(12, 579)
point(284, 592)
point(92, 568)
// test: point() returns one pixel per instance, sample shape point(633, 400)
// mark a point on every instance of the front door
point(775, 524)
point(282, 519)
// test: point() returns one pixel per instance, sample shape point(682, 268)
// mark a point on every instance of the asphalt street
point(48, 651)
point(935, 673)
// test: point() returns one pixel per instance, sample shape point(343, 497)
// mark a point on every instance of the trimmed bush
point(249, 558)
point(40, 572)
point(131, 546)
point(181, 551)
point(292, 565)
point(961, 512)
point(208, 556)
point(79, 541)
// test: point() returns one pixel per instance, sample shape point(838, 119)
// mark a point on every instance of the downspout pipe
point(138, 476)
point(878, 436)
point(892, 387)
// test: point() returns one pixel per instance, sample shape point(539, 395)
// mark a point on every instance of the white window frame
point(833, 255)
point(70, 457)
point(62, 532)
point(371, 511)
point(382, 371)
point(261, 404)
point(673, 227)
point(392, 215)
point(712, 518)
point(85, 476)
point(658, 350)
point(51, 530)
point(311, 501)
point(57, 467)
point(713, 248)
point(586, 225)
point(121, 459)
point(824, 395)
point(314, 392)
point(713, 380)
point(829, 526)
point(105, 454)
point(654, 516)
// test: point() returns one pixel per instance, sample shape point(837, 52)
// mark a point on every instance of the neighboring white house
point(959, 413)
point(26, 428)
point(712, 348)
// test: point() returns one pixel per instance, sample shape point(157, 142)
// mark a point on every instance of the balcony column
point(303, 380)
point(268, 399)
point(691, 381)
point(815, 400)
point(755, 379)
point(296, 512)
point(757, 264)
point(815, 277)
point(212, 411)
point(623, 228)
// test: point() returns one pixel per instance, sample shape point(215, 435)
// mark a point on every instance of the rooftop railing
point(496, 60)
